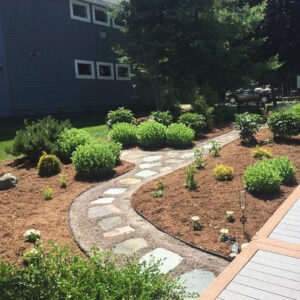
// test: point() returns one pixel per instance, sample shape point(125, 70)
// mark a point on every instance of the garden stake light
point(243, 219)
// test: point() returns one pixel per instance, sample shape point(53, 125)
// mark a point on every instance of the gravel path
point(104, 217)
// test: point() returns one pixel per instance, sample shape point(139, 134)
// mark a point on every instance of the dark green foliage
point(163, 117)
point(248, 125)
point(38, 136)
point(200, 106)
point(284, 123)
point(151, 134)
point(224, 113)
point(262, 177)
point(115, 148)
point(194, 121)
point(69, 140)
point(48, 165)
point(179, 135)
point(296, 109)
point(285, 167)
point(92, 160)
point(121, 115)
point(62, 274)
point(124, 133)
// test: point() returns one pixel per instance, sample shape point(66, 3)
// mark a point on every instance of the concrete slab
point(131, 246)
point(168, 260)
point(115, 191)
point(152, 158)
point(146, 173)
point(103, 201)
point(110, 223)
point(102, 211)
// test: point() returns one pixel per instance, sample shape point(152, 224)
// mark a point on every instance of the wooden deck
point(269, 268)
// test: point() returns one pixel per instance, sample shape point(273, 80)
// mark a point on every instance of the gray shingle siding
point(41, 43)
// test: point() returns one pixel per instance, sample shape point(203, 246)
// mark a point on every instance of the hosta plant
point(32, 235)
point(224, 235)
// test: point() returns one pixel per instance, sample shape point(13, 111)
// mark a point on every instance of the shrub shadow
point(268, 197)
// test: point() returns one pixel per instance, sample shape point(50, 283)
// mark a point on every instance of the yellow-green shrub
point(223, 173)
point(48, 165)
point(260, 152)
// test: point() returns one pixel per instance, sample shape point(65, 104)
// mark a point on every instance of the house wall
point(41, 44)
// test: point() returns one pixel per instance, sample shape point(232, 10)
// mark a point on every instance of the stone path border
point(103, 216)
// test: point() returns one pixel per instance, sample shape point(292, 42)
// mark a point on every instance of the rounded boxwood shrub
point(194, 121)
point(151, 134)
point(121, 115)
point(179, 135)
point(163, 117)
point(48, 165)
point(285, 167)
point(284, 123)
point(223, 173)
point(92, 160)
point(262, 177)
point(124, 133)
point(69, 140)
point(115, 148)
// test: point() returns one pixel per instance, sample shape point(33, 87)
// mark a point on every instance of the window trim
point(87, 5)
point(80, 61)
point(129, 72)
point(111, 65)
point(96, 7)
point(115, 25)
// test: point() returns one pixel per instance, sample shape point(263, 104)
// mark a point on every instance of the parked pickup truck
point(250, 95)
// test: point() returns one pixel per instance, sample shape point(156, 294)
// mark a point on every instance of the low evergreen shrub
point(38, 136)
point(285, 167)
point(163, 117)
point(69, 140)
point(179, 135)
point(194, 121)
point(48, 165)
point(151, 134)
point(223, 173)
point(115, 148)
point(124, 133)
point(121, 115)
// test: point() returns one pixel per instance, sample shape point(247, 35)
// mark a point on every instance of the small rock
point(233, 255)
point(7, 181)
point(244, 246)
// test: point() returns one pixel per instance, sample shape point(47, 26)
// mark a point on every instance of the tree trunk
point(157, 89)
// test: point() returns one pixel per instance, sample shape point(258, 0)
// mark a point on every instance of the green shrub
point(194, 121)
point(199, 158)
point(179, 135)
point(121, 115)
point(262, 178)
point(284, 123)
point(296, 108)
point(214, 148)
point(151, 134)
point(58, 273)
point(115, 148)
point(48, 165)
point(224, 113)
point(124, 133)
point(285, 167)
point(260, 152)
point(163, 117)
point(69, 140)
point(94, 160)
point(248, 125)
point(223, 173)
point(190, 182)
point(38, 136)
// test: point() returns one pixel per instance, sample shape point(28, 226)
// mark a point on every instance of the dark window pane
point(105, 71)
point(79, 11)
point(84, 69)
point(100, 16)
point(123, 72)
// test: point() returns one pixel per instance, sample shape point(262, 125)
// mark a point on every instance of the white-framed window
point(105, 70)
point(100, 15)
point(80, 11)
point(117, 23)
point(123, 72)
point(84, 69)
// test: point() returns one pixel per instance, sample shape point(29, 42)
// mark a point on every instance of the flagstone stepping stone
point(187, 155)
point(130, 181)
point(115, 191)
point(110, 223)
point(102, 211)
point(196, 281)
point(102, 201)
point(118, 231)
point(168, 260)
point(148, 166)
point(165, 169)
point(173, 161)
point(146, 173)
point(152, 158)
point(131, 246)
point(172, 154)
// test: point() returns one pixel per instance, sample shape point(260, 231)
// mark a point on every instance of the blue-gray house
point(55, 56)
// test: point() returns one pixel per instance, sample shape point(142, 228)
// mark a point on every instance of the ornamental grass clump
point(223, 173)
point(190, 182)
point(260, 152)
point(48, 165)
point(179, 135)
point(124, 133)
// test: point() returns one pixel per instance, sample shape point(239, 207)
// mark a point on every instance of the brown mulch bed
point(24, 207)
point(210, 202)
